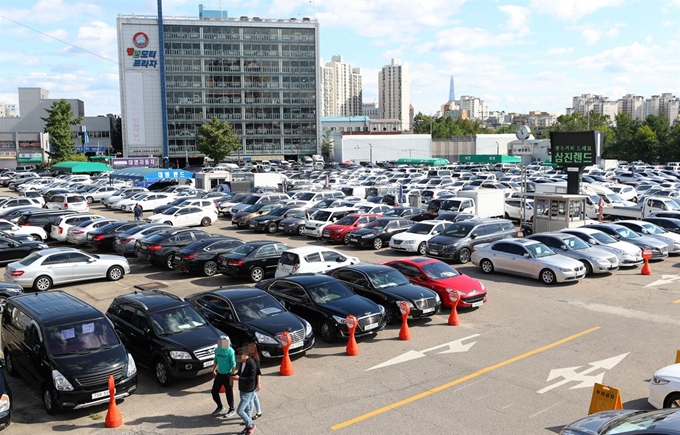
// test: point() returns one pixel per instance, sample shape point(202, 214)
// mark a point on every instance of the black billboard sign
point(577, 148)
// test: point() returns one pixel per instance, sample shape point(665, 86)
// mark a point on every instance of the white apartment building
point(665, 104)
point(633, 106)
point(341, 88)
point(370, 110)
point(8, 110)
point(475, 107)
point(637, 107)
point(394, 93)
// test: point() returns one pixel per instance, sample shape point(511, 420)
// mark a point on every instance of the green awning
point(101, 157)
point(31, 160)
point(81, 167)
point(426, 162)
point(488, 158)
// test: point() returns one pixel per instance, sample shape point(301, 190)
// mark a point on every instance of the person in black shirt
point(248, 377)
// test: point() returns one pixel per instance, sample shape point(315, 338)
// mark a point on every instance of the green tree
point(58, 125)
point(672, 148)
point(327, 144)
point(216, 139)
point(646, 145)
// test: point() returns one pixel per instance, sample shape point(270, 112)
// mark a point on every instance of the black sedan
point(403, 212)
point(270, 222)
point(254, 260)
point(12, 250)
point(625, 422)
point(326, 302)
point(102, 238)
point(6, 401)
point(378, 233)
point(386, 286)
point(160, 248)
point(252, 315)
point(201, 256)
point(8, 290)
point(669, 224)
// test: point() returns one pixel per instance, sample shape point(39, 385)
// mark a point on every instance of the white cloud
point(591, 35)
point(571, 10)
point(50, 11)
point(560, 50)
point(57, 34)
point(667, 23)
point(518, 17)
point(98, 38)
point(649, 39)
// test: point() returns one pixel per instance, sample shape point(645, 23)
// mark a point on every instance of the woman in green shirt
point(224, 367)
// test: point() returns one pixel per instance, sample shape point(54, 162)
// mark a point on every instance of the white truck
point(645, 208)
point(485, 202)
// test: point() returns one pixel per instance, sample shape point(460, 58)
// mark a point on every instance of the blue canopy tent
point(146, 176)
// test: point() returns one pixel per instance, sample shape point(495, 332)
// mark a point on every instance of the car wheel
point(392, 315)
point(205, 222)
point(486, 265)
point(327, 331)
point(464, 255)
point(9, 363)
point(256, 274)
point(672, 401)
point(377, 243)
point(209, 268)
point(272, 227)
point(42, 283)
point(588, 266)
point(345, 239)
point(167, 261)
point(115, 273)
point(162, 372)
point(168, 223)
point(547, 276)
point(37, 238)
point(89, 199)
point(422, 249)
point(48, 401)
point(301, 230)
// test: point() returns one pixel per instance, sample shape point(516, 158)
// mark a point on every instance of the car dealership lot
point(499, 372)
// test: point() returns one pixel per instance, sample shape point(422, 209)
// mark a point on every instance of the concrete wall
point(452, 148)
point(380, 147)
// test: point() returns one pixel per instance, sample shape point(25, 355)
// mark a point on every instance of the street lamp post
point(498, 148)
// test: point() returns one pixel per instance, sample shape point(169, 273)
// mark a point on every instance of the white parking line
point(549, 407)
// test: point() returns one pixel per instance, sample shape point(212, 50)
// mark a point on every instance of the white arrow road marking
point(570, 375)
point(453, 347)
point(665, 279)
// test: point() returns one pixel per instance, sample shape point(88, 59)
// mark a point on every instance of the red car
point(339, 231)
point(439, 276)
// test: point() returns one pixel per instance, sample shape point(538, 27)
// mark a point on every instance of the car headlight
point(482, 284)
point(60, 382)
point(565, 269)
point(131, 367)
point(437, 298)
point(179, 354)
point(43, 246)
point(308, 328)
point(366, 236)
point(601, 260)
point(340, 320)
point(382, 309)
point(263, 338)
point(407, 242)
point(410, 305)
point(4, 403)
point(659, 381)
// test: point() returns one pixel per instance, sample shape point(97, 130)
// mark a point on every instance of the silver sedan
point(596, 260)
point(45, 268)
point(78, 234)
point(529, 258)
point(124, 244)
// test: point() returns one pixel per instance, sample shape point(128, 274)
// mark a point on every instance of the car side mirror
point(340, 260)
point(564, 247)
point(37, 349)
point(355, 225)
point(305, 300)
point(91, 260)
point(417, 277)
point(473, 236)
point(526, 255)
point(147, 332)
point(15, 228)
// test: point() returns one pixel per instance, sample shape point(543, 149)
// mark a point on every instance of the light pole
point(498, 148)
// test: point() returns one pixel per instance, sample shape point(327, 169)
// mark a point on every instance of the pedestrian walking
point(254, 354)
point(223, 369)
point(248, 377)
point(138, 212)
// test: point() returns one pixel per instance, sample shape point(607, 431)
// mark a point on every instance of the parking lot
point(524, 363)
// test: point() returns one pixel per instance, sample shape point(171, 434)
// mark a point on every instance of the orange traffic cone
point(222, 389)
point(286, 364)
point(352, 347)
point(113, 417)
point(453, 317)
point(646, 255)
point(404, 333)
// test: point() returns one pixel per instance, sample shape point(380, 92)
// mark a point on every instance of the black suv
point(201, 256)
point(160, 248)
point(164, 333)
point(326, 302)
point(456, 241)
point(42, 218)
point(378, 233)
point(66, 348)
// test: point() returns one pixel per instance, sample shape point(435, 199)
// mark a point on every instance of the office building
point(341, 88)
point(259, 75)
point(394, 93)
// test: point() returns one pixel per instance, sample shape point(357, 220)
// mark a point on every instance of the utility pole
point(370, 152)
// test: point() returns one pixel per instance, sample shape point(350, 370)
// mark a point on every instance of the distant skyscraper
point(452, 94)
point(341, 84)
point(394, 93)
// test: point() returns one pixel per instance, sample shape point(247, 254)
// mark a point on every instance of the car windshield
point(377, 224)
point(243, 250)
point(627, 233)
point(421, 228)
point(257, 308)
point(250, 200)
point(81, 337)
point(646, 421)
point(253, 208)
point(176, 320)
point(347, 220)
point(393, 212)
point(653, 229)
point(304, 196)
point(387, 279)
point(328, 291)
point(30, 258)
point(539, 250)
point(322, 215)
point(170, 211)
point(439, 270)
point(575, 243)
point(299, 215)
point(278, 211)
point(459, 229)
point(603, 238)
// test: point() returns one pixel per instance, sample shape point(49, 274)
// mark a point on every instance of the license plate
point(326, 234)
point(252, 225)
point(432, 252)
point(477, 304)
point(296, 344)
point(428, 310)
point(370, 326)
point(353, 239)
point(100, 394)
point(208, 363)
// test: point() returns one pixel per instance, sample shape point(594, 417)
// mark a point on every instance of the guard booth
point(553, 212)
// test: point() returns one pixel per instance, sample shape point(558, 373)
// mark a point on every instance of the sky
point(517, 56)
